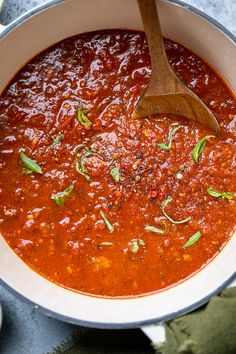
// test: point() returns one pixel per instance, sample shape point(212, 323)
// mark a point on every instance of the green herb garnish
point(79, 165)
point(134, 245)
point(30, 164)
point(88, 152)
point(107, 222)
point(216, 194)
point(59, 198)
point(105, 243)
point(193, 239)
point(198, 149)
point(115, 172)
point(112, 161)
point(141, 243)
point(26, 171)
point(56, 140)
point(164, 204)
point(82, 118)
point(172, 132)
point(155, 229)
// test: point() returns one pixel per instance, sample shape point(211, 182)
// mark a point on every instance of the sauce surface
point(100, 241)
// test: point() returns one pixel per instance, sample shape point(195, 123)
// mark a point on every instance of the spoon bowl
point(166, 94)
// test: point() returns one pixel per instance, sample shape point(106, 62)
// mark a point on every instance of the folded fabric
point(208, 330)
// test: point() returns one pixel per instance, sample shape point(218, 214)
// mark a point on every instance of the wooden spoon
point(165, 92)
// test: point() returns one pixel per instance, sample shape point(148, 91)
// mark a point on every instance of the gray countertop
point(25, 330)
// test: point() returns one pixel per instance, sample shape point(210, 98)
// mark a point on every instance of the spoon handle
point(162, 74)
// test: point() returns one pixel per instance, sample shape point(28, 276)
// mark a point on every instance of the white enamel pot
point(39, 29)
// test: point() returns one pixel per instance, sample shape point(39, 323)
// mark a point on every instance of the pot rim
point(92, 324)
point(51, 3)
point(129, 325)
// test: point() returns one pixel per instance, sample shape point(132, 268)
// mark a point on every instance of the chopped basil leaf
point(213, 192)
point(164, 204)
point(59, 198)
point(115, 172)
point(175, 129)
point(216, 194)
point(155, 229)
point(26, 171)
point(105, 243)
point(56, 140)
point(111, 162)
point(82, 118)
point(79, 166)
point(141, 243)
point(198, 149)
point(171, 134)
point(164, 146)
point(107, 222)
point(88, 152)
point(193, 239)
point(30, 164)
point(134, 247)
point(227, 195)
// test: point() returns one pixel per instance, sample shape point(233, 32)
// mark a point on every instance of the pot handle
point(156, 333)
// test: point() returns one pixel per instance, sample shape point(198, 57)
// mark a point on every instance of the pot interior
point(61, 19)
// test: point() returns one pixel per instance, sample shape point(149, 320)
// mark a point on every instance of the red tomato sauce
point(98, 241)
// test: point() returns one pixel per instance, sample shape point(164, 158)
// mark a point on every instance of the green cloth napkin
point(208, 330)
